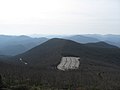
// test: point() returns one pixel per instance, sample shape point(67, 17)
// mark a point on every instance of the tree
point(1, 83)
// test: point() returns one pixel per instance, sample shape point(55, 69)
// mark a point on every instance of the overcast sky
point(59, 17)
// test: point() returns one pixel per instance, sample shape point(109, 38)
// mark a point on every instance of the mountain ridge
point(51, 52)
point(13, 45)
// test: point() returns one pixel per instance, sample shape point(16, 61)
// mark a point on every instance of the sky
point(27, 17)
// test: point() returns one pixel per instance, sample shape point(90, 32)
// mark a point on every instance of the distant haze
point(59, 17)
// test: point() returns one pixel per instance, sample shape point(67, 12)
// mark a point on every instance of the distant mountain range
point(49, 53)
point(110, 39)
point(82, 39)
point(13, 45)
point(91, 38)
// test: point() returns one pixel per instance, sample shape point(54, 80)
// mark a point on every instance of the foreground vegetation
point(88, 77)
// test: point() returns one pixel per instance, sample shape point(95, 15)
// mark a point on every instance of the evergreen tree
point(1, 84)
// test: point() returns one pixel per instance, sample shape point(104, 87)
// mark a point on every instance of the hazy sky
point(59, 17)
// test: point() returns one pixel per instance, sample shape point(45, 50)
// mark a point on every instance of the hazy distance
point(25, 17)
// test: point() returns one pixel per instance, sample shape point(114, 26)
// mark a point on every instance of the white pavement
point(69, 63)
